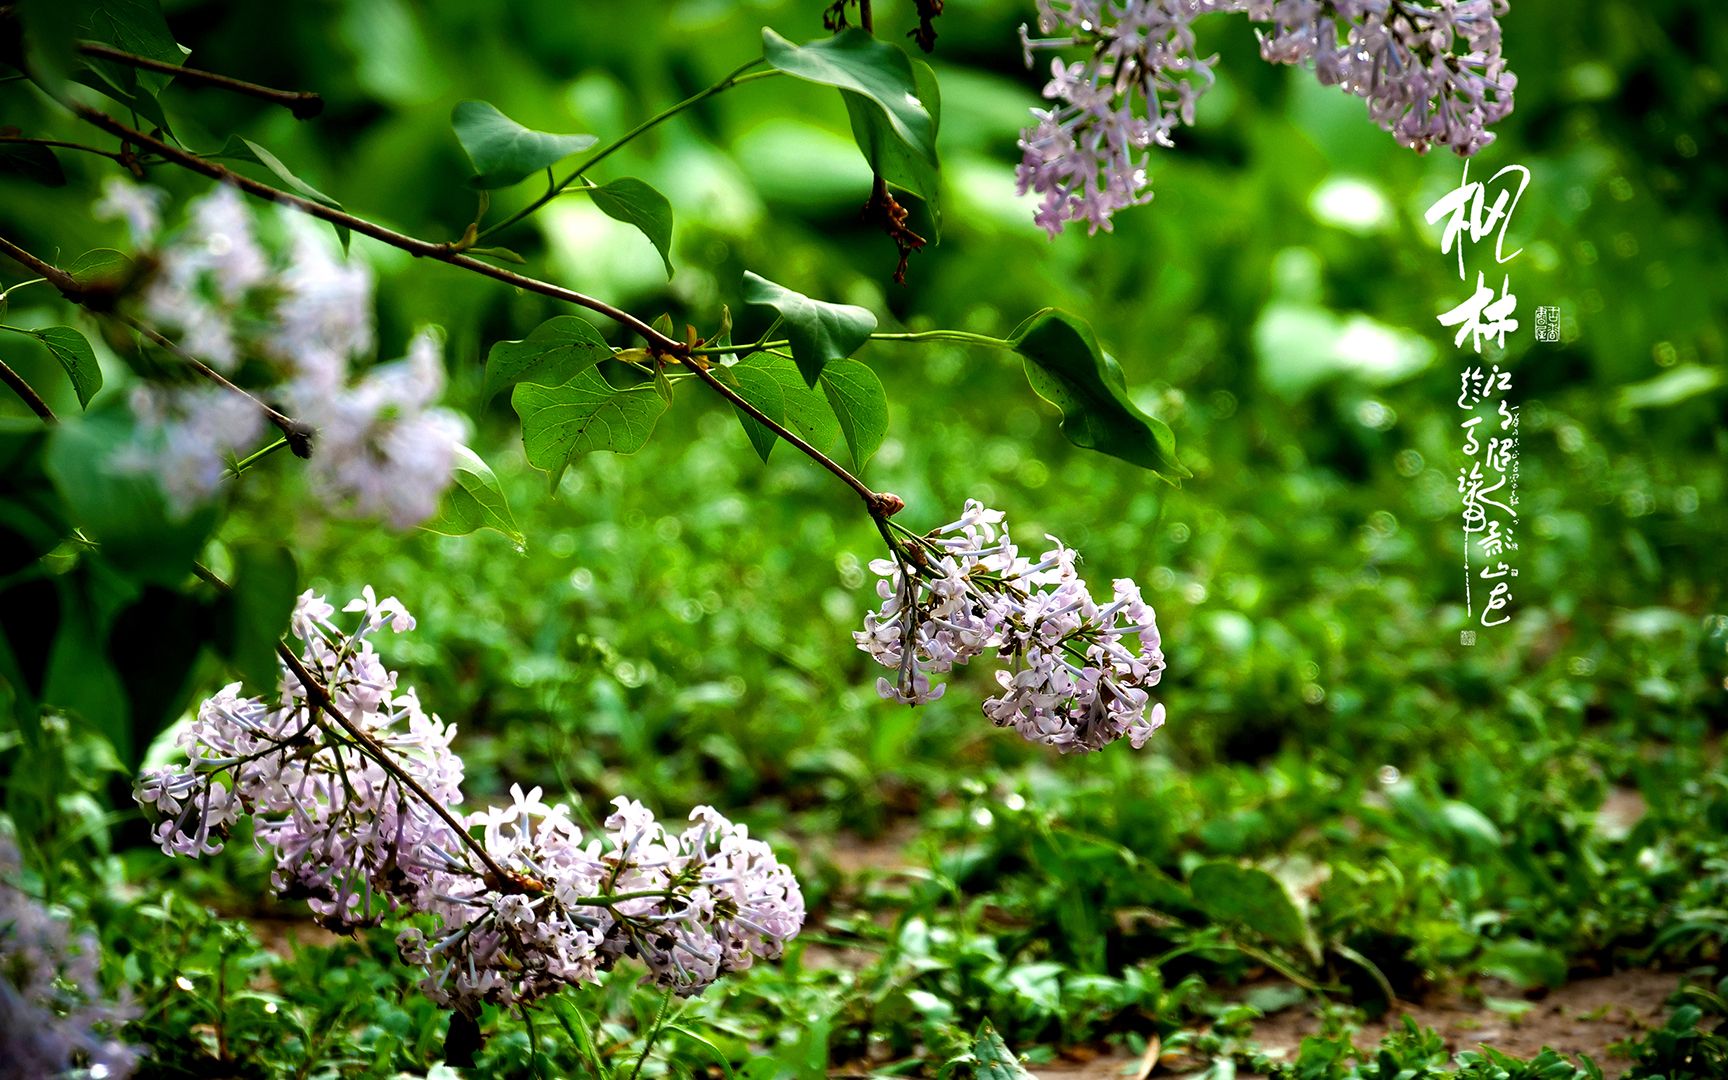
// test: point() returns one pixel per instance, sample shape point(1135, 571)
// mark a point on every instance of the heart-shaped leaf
point(854, 60)
point(772, 384)
point(553, 352)
point(819, 331)
point(636, 203)
point(1249, 897)
point(475, 501)
point(860, 405)
point(1067, 368)
point(889, 156)
point(503, 151)
point(75, 355)
point(560, 423)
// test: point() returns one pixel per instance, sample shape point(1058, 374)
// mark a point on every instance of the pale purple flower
point(1430, 72)
point(54, 1018)
point(1070, 679)
point(357, 844)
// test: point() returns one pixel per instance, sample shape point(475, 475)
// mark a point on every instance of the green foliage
point(587, 413)
point(476, 501)
point(1067, 368)
point(818, 330)
point(636, 203)
point(680, 627)
point(556, 351)
point(504, 152)
point(75, 355)
point(878, 80)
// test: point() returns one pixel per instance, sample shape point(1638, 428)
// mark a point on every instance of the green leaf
point(503, 151)
point(636, 203)
point(124, 512)
point(583, 415)
point(994, 1061)
point(1067, 368)
point(82, 677)
point(75, 355)
point(239, 149)
point(1250, 897)
point(32, 517)
point(773, 384)
point(889, 156)
point(101, 264)
point(859, 404)
point(819, 331)
point(554, 352)
point(134, 26)
point(1524, 964)
point(475, 501)
point(855, 61)
point(32, 162)
point(253, 615)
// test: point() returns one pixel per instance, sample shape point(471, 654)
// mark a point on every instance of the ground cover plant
point(745, 541)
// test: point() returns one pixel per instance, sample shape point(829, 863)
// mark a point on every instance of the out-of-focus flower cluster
point(1430, 72)
point(268, 301)
point(1070, 680)
point(53, 1019)
point(544, 909)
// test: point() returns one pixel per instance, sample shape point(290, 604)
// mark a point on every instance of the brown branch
point(448, 253)
point(26, 391)
point(62, 145)
point(303, 104)
point(318, 697)
point(880, 504)
point(298, 435)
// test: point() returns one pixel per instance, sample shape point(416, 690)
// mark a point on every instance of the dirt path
point(1582, 1017)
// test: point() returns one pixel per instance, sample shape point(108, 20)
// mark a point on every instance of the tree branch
point(880, 504)
point(413, 245)
point(303, 104)
point(26, 391)
point(318, 697)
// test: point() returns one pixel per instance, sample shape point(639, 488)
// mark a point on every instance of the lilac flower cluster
point(692, 906)
point(53, 1019)
point(1431, 73)
point(292, 317)
point(541, 909)
point(1069, 682)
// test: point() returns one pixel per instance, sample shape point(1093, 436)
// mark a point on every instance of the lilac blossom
point(1069, 679)
point(296, 320)
point(544, 908)
point(53, 1018)
point(1431, 73)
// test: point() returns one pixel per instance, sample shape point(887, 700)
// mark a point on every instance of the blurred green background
point(678, 625)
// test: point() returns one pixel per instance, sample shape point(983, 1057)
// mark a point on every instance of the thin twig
point(318, 697)
point(302, 103)
point(555, 188)
point(27, 392)
point(61, 144)
point(413, 245)
point(881, 504)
